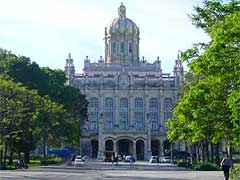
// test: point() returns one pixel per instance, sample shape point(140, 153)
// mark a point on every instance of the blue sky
point(47, 30)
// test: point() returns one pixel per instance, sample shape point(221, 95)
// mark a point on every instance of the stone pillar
point(161, 153)
point(131, 104)
point(162, 125)
point(85, 146)
point(145, 151)
point(101, 107)
point(115, 146)
point(149, 151)
point(146, 107)
point(134, 150)
point(116, 108)
point(100, 138)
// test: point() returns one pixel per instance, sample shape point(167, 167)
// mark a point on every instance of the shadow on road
point(140, 178)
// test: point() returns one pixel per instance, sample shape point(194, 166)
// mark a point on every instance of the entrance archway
point(109, 145)
point(94, 144)
point(140, 149)
point(155, 147)
point(125, 147)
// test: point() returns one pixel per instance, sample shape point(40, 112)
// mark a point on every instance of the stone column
point(161, 153)
point(101, 106)
point(131, 104)
point(115, 146)
point(134, 150)
point(100, 138)
point(146, 107)
point(149, 151)
point(116, 112)
point(162, 125)
point(145, 151)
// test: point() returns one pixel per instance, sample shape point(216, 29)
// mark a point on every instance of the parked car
point(107, 157)
point(78, 160)
point(85, 158)
point(165, 159)
point(128, 158)
point(120, 157)
point(153, 159)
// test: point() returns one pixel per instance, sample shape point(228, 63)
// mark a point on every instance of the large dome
point(122, 23)
point(121, 40)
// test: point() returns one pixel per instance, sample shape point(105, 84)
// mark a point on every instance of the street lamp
point(171, 151)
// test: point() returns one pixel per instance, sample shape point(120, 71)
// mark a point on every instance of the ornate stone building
point(129, 99)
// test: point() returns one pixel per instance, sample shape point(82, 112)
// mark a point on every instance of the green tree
point(17, 113)
point(49, 83)
point(50, 122)
point(208, 110)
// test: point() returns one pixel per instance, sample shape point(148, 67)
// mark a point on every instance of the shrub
point(33, 163)
point(205, 166)
point(183, 163)
point(36, 156)
point(235, 172)
point(52, 160)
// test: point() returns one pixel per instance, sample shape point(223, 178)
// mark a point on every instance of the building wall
point(123, 77)
point(126, 86)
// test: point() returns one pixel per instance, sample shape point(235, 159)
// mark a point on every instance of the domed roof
point(122, 23)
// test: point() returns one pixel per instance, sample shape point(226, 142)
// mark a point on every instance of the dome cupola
point(121, 39)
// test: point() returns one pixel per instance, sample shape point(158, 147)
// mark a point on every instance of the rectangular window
point(130, 48)
point(122, 48)
point(114, 48)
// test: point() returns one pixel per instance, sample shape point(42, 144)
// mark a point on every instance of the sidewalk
point(139, 165)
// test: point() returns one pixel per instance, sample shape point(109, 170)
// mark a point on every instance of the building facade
point(129, 98)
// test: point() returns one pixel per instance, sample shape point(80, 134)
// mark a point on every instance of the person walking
point(131, 160)
point(112, 159)
point(116, 158)
point(226, 164)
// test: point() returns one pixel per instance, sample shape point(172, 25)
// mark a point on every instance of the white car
point(85, 158)
point(78, 160)
point(165, 160)
point(153, 159)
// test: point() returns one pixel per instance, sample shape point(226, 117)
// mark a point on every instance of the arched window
point(168, 106)
point(153, 114)
point(93, 113)
point(108, 113)
point(139, 113)
point(124, 113)
point(109, 145)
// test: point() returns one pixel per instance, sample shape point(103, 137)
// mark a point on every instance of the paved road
point(105, 171)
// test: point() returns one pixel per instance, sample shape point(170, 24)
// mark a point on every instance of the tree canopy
point(208, 109)
point(37, 106)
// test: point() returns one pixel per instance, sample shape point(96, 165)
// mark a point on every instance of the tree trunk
point(198, 152)
point(44, 149)
point(216, 153)
point(201, 152)
point(189, 150)
point(19, 155)
point(212, 152)
point(27, 157)
point(230, 152)
point(1, 157)
point(5, 155)
point(10, 162)
point(207, 151)
point(194, 152)
point(204, 152)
